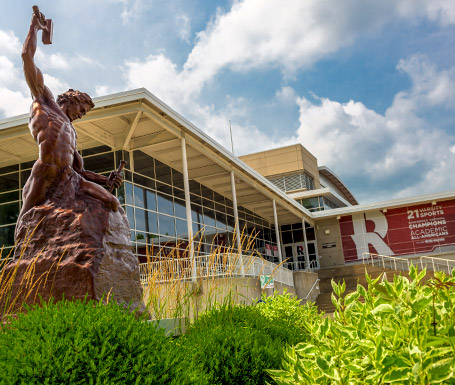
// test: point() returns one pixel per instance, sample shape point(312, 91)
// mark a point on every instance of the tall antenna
point(232, 142)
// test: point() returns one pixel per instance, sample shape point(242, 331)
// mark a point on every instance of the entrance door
point(313, 254)
point(295, 255)
point(299, 256)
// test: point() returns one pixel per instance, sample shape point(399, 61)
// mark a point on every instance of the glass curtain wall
point(154, 201)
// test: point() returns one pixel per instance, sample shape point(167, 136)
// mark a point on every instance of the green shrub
point(235, 344)
point(288, 320)
point(404, 333)
point(89, 343)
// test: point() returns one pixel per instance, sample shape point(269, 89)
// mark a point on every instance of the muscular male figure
point(59, 163)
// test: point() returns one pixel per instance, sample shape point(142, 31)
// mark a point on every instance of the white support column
point(237, 226)
point(277, 231)
point(186, 186)
point(307, 255)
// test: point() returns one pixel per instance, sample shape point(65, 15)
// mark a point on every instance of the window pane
point(9, 213)
point(141, 220)
point(153, 222)
point(138, 196)
point(9, 196)
point(180, 209)
point(165, 204)
point(143, 164)
point(121, 194)
point(129, 193)
point(100, 163)
point(182, 229)
point(151, 200)
point(7, 235)
point(9, 182)
point(8, 169)
point(166, 225)
point(130, 215)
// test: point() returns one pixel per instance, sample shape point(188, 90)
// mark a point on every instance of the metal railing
point(304, 299)
point(220, 265)
point(300, 266)
point(395, 263)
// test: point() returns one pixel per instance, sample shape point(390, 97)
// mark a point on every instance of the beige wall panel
point(329, 256)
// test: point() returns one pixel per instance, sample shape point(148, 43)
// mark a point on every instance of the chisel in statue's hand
point(113, 175)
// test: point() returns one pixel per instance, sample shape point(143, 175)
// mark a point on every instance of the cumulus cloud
point(14, 93)
point(358, 141)
point(9, 44)
point(51, 61)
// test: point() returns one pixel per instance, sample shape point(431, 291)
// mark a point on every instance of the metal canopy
point(137, 120)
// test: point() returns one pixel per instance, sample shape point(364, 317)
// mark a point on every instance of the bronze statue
point(59, 163)
point(72, 236)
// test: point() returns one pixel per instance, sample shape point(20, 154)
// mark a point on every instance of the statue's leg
point(98, 192)
point(38, 184)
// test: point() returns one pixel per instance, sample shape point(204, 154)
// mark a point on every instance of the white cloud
point(286, 95)
point(442, 11)
point(46, 60)
point(14, 93)
point(351, 138)
point(9, 44)
point(55, 85)
point(357, 141)
point(183, 24)
point(13, 102)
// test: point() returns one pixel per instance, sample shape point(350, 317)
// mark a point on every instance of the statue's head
point(75, 104)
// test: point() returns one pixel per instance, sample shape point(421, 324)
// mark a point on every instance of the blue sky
point(367, 86)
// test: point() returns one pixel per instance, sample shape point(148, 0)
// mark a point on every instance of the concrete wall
point(188, 299)
point(329, 256)
point(303, 282)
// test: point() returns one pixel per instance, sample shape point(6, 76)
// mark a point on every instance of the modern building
point(180, 184)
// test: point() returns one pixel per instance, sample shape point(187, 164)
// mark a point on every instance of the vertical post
point(186, 186)
point(307, 255)
point(277, 231)
point(316, 247)
point(237, 226)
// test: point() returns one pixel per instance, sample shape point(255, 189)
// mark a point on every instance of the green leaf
point(336, 288)
point(397, 375)
point(421, 303)
point(442, 370)
point(351, 297)
point(323, 364)
point(383, 308)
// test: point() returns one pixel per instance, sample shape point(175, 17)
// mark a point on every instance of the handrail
point(311, 290)
point(431, 263)
point(221, 265)
point(300, 266)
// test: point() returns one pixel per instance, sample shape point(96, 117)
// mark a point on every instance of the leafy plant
point(235, 344)
point(87, 343)
point(287, 317)
point(395, 336)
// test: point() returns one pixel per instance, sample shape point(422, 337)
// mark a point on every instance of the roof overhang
point(326, 192)
point(137, 120)
point(333, 178)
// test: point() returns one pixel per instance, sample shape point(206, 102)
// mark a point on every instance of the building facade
point(182, 191)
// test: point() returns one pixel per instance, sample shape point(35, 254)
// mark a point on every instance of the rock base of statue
point(74, 247)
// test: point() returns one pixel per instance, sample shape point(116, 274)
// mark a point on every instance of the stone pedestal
point(74, 248)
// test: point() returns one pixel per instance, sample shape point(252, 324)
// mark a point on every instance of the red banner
point(419, 229)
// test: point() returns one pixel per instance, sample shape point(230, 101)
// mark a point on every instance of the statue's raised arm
point(32, 73)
